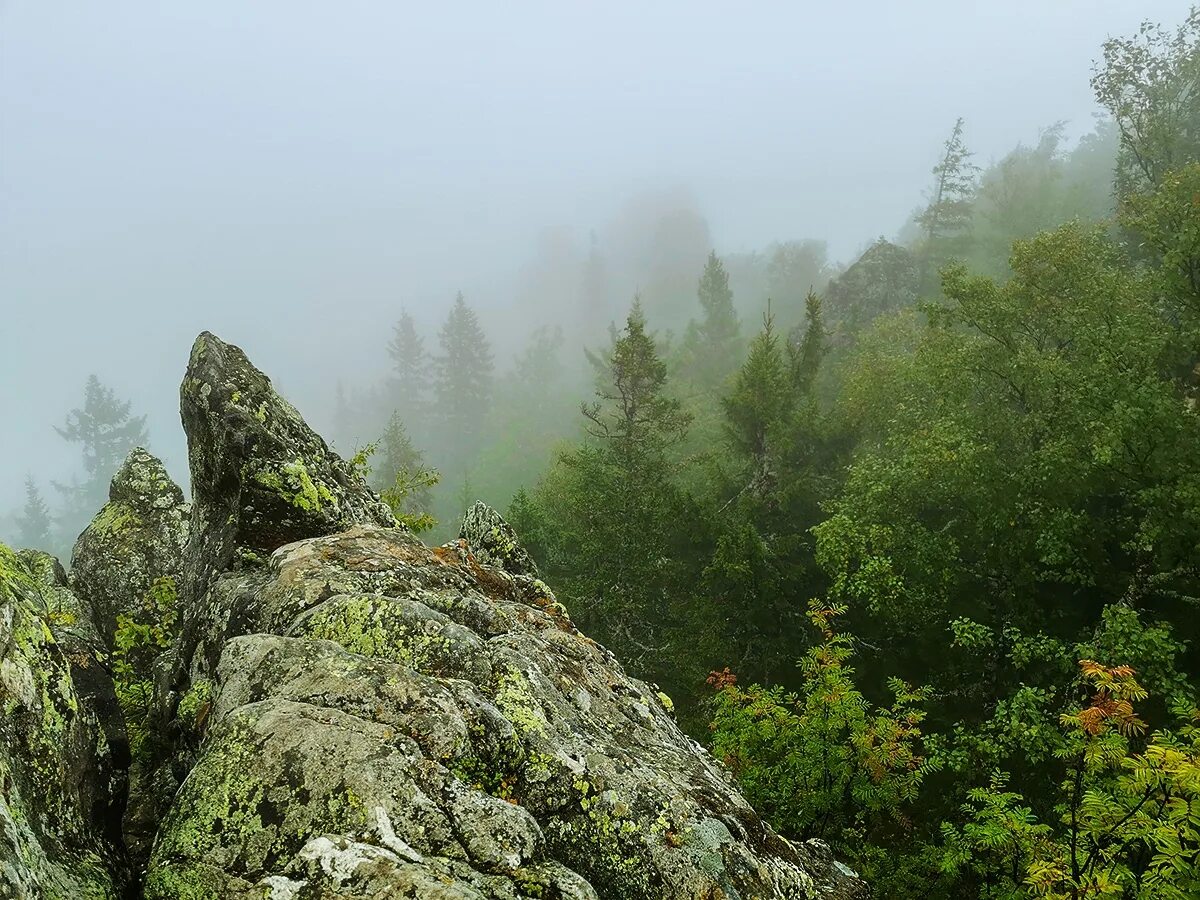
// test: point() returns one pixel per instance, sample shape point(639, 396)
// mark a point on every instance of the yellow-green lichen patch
point(514, 699)
point(296, 486)
point(113, 519)
point(602, 842)
point(375, 626)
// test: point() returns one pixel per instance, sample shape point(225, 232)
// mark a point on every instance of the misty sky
point(289, 174)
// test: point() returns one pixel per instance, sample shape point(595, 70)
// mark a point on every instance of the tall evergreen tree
point(759, 400)
point(808, 346)
point(946, 222)
point(715, 341)
point(105, 431)
point(400, 475)
point(34, 523)
point(613, 505)
point(410, 372)
point(462, 381)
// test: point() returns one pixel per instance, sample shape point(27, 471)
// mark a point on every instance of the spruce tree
point(105, 431)
point(612, 505)
point(34, 524)
point(759, 400)
point(400, 475)
point(462, 382)
point(410, 372)
point(946, 222)
point(718, 335)
point(808, 346)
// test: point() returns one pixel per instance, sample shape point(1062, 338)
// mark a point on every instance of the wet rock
point(468, 763)
point(493, 541)
point(61, 778)
point(137, 537)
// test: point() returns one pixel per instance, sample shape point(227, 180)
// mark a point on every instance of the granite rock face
point(61, 773)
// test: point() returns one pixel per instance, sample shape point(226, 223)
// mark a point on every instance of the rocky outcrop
point(136, 538)
point(344, 712)
point(376, 718)
point(61, 773)
point(493, 541)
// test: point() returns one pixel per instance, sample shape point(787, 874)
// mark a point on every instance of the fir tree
point(946, 222)
point(808, 346)
point(760, 398)
point(398, 460)
point(718, 334)
point(106, 432)
point(402, 478)
point(613, 504)
point(33, 525)
point(463, 381)
point(410, 371)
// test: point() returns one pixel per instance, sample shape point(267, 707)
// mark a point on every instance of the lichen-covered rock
point(137, 537)
point(61, 779)
point(493, 541)
point(363, 716)
point(395, 718)
point(261, 478)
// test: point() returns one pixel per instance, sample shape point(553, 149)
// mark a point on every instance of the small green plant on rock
point(137, 643)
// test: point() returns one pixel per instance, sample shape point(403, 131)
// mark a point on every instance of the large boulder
point(135, 542)
point(61, 774)
point(136, 538)
point(371, 717)
point(261, 478)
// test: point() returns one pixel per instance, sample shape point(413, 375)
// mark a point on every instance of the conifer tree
point(402, 478)
point(613, 504)
point(34, 522)
point(105, 431)
point(946, 222)
point(410, 371)
point(718, 334)
point(462, 381)
point(760, 398)
point(808, 347)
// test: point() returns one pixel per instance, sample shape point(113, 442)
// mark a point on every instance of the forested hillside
point(912, 543)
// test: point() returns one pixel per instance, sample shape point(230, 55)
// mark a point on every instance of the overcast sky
point(287, 174)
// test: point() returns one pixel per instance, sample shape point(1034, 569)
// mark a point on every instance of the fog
point(291, 175)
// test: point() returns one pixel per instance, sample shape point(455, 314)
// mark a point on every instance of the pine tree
point(410, 372)
point(463, 381)
point(760, 399)
point(716, 339)
point(808, 346)
point(33, 525)
point(612, 505)
point(946, 222)
point(106, 432)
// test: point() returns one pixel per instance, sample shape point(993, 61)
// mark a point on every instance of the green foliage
point(1124, 821)
point(1149, 85)
point(140, 638)
point(34, 523)
point(400, 475)
point(824, 761)
point(611, 504)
